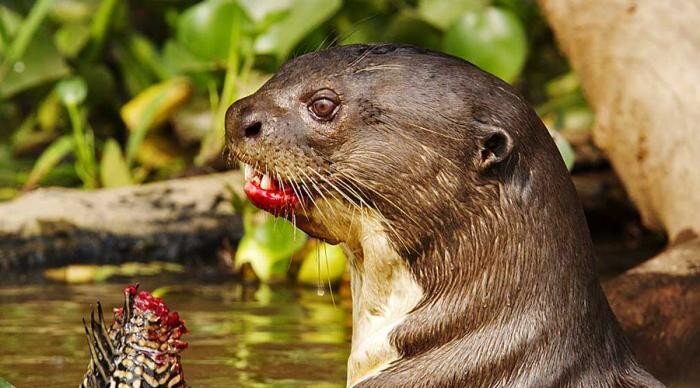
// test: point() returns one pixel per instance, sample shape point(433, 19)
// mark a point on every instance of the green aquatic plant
point(269, 245)
point(5, 384)
point(121, 60)
point(95, 93)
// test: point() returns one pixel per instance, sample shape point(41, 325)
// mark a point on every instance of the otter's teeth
point(247, 171)
point(266, 182)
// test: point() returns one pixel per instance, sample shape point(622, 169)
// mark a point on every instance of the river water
point(239, 336)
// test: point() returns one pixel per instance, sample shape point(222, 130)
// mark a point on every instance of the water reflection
point(272, 337)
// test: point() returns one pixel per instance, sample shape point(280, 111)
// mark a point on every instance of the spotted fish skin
point(141, 348)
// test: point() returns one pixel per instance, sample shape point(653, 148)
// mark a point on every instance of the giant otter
point(471, 263)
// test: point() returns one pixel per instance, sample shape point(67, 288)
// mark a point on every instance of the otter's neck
point(479, 311)
point(383, 293)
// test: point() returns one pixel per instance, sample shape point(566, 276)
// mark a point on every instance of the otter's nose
point(250, 126)
point(242, 122)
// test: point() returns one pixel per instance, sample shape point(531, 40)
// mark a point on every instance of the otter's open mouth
point(269, 193)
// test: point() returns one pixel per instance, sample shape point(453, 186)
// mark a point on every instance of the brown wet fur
point(477, 201)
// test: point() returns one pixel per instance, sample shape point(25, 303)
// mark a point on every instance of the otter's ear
point(495, 148)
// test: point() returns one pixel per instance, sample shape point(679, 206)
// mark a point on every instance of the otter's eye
point(323, 108)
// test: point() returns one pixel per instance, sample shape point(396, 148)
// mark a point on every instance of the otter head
point(382, 130)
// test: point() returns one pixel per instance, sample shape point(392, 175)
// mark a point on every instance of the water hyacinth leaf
point(51, 157)
point(492, 38)
point(279, 235)
point(407, 28)
point(203, 28)
point(40, 63)
point(260, 258)
point(352, 32)
point(303, 17)
point(178, 60)
point(114, 172)
point(262, 10)
point(442, 13)
point(268, 245)
point(323, 262)
point(72, 91)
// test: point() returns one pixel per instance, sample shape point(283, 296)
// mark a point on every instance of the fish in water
point(141, 348)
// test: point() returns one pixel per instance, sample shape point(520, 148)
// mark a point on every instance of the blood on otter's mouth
point(269, 193)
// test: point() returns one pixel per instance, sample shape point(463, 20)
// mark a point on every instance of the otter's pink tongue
point(268, 194)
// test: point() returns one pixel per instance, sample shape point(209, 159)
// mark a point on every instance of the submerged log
point(658, 305)
point(172, 220)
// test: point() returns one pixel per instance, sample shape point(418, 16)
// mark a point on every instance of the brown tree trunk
point(639, 64)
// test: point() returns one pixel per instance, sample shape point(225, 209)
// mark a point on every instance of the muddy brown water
point(239, 337)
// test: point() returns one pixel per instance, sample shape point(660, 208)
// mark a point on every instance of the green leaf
point(144, 51)
point(279, 236)
point(204, 28)
point(407, 28)
point(71, 38)
point(137, 74)
point(493, 39)
point(565, 149)
point(114, 172)
point(41, 63)
point(178, 60)
point(442, 13)
point(5, 384)
point(74, 11)
point(261, 10)
point(351, 31)
point(72, 91)
point(48, 113)
point(152, 107)
point(25, 34)
point(324, 263)
point(100, 24)
point(303, 17)
point(268, 246)
point(565, 84)
point(49, 159)
point(9, 24)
